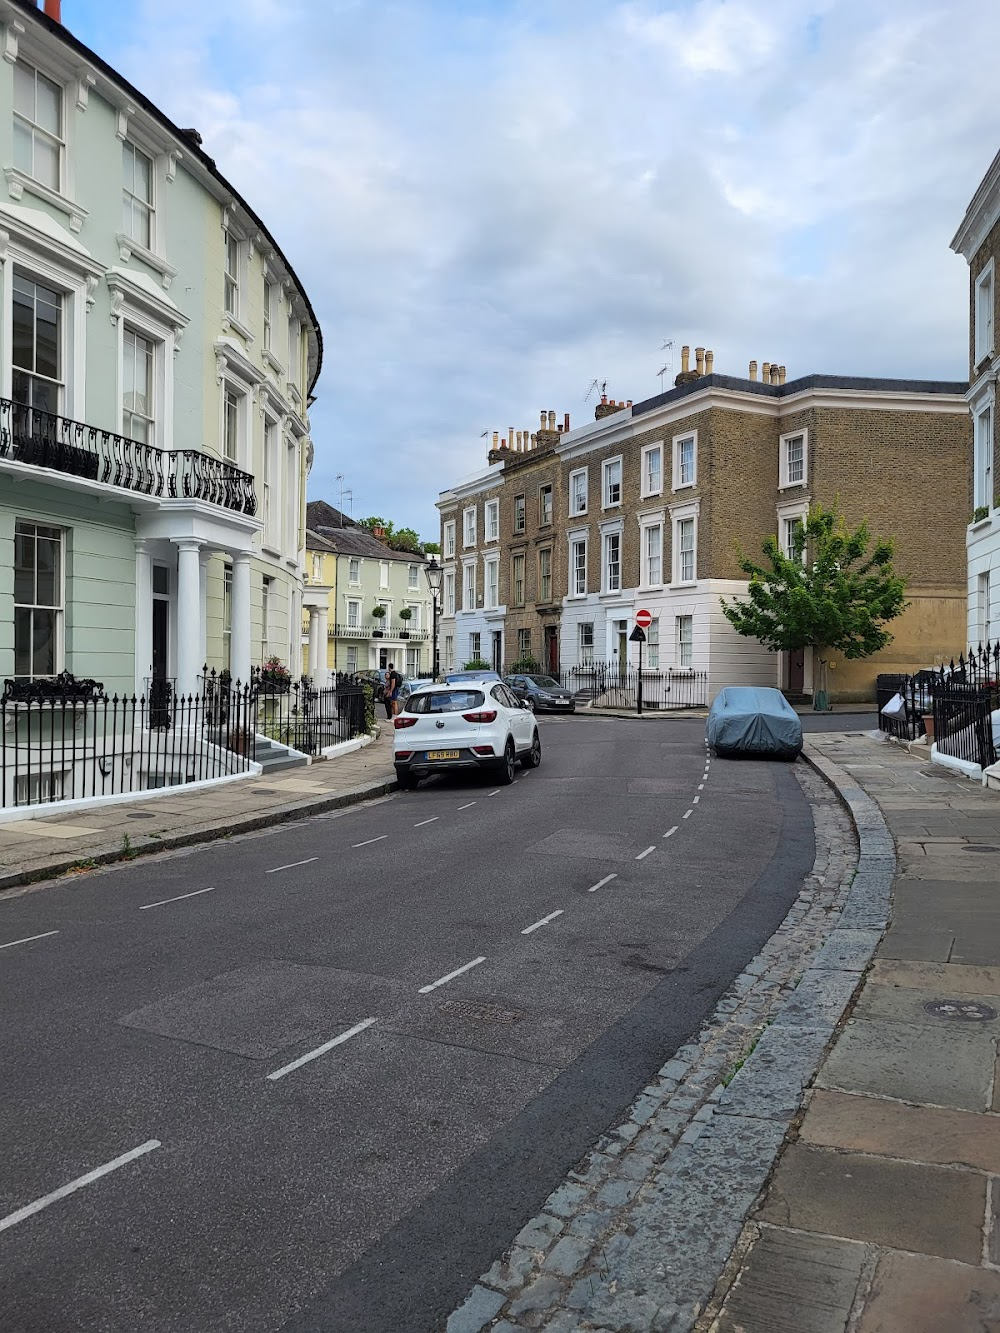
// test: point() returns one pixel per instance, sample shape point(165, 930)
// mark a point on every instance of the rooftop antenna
point(668, 365)
point(603, 384)
point(344, 491)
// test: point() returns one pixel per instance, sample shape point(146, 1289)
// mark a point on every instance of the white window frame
point(136, 242)
point(59, 382)
point(491, 521)
point(59, 619)
point(155, 388)
point(678, 482)
point(384, 574)
point(449, 592)
point(680, 514)
point(516, 600)
point(448, 539)
point(575, 477)
point(793, 512)
point(649, 524)
point(524, 643)
point(352, 658)
point(271, 536)
point(354, 571)
point(267, 585)
point(984, 449)
point(353, 612)
point(646, 487)
point(469, 585)
point(983, 606)
point(520, 509)
point(235, 411)
point(653, 644)
point(412, 578)
point(784, 441)
point(543, 522)
point(983, 313)
point(491, 583)
point(577, 540)
point(469, 526)
point(545, 599)
point(58, 140)
point(606, 483)
point(585, 651)
point(233, 283)
point(684, 642)
point(607, 584)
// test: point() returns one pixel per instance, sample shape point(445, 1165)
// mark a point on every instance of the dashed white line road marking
point(687, 814)
point(322, 1050)
point(163, 901)
point(424, 990)
point(695, 800)
point(494, 793)
point(468, 806)
point(30, 1209)
point(701, 786)
point(291, 865)
point(432, 819)
point(28, 938)
point(544, 921)
point(601, 883)
point(368, 841)
point(642, 855)
point(671, 831)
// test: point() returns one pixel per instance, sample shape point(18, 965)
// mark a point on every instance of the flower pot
point(404, 633)
point(377, 634)
point(928, 720)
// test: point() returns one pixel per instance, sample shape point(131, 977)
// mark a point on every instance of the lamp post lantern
point(434, 574)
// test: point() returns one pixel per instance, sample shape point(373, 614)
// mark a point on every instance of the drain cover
point(961, 1011)
point(980, 847)
point(479, 1013)
point(136, 814)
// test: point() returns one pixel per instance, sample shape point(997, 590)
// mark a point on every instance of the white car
point(477, 724)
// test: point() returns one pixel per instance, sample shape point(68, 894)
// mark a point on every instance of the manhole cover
point(961, 1011)
point(136, 814)
point(980, 847)
point(479, 1013)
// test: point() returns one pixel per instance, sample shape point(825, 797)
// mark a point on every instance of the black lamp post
point(434, 574)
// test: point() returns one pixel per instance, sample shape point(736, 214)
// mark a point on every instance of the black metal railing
point(306, 719)
point(608, 685)
point(958, 700)
point(73, 742)
point(46, 440)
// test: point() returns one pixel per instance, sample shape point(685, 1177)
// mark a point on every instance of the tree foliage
point(399, 539)
point(832, 592)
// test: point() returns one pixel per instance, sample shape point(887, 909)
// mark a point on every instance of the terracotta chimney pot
point(496, 438)
point(685, 360)
point(565, 421)
point(753, 370)
point(709, 361)
point(52, 9)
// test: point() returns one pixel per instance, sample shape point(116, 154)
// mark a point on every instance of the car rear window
point(445, 701)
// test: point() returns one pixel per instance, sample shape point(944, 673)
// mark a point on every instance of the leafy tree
point(831, 593)
point(399, 539)
point(432, 548)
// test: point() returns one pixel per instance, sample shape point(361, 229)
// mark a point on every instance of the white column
point(143, 615)
point(240, 653)
point(189, 632)
point(321, 674)
point(204, 559)
point(314, 649)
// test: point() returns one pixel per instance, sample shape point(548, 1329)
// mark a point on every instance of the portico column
point(204, 559)
point(189, 632)
point(240, 653)
point(143, 615)
point(314, 650)
point(321, 676)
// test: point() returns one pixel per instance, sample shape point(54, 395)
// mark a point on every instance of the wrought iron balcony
point(43, 439)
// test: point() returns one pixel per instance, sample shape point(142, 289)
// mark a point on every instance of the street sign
point(643, 619)
point(637, 636)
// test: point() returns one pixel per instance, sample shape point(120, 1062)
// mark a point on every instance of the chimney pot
point(685, 360)
point(709, 361)
point(699, 359)
point(774, 373)
point(565, 421)
point(753, 370)
point(629, 403)
point(510, 435)
point(52, 9)
point(533, 440)
point(765, 372)
point(496, 438)
point(552, 419)
point(604, 397)
point(781, 374)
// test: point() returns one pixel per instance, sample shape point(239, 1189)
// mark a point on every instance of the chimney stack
point(709, 361)
point(699, 360)
point(753, 370)
point(566, 421)
point(52, 10)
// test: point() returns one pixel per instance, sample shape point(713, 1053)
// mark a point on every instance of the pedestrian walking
point(393, 680)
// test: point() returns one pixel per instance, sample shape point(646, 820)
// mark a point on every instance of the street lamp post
point(434, 574)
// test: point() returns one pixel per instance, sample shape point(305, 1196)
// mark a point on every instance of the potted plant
point(405, 615)
point(379, 613)
point(275, 678)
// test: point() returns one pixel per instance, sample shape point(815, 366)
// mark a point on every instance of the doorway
point(552, 650)
point(161, 622)
point(497, 651)
point(796, 671)
point(622, 647)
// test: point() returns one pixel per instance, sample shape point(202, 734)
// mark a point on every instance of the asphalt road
point(317, 1078)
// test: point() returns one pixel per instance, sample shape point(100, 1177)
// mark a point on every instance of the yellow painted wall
point(930, 632)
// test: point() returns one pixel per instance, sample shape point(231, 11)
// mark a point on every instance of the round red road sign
point(643, 619)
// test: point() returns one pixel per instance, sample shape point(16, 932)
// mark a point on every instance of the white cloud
point(492, 206)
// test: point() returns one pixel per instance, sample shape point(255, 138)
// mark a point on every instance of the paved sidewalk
point(883, 1213)
point(34, 849)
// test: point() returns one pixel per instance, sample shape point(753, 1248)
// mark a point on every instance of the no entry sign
point(643, 619)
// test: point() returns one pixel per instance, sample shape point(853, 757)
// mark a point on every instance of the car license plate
point(442, 754)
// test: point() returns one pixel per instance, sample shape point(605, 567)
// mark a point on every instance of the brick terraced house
point(649, 506)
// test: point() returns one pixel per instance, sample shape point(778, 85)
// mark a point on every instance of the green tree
point(399, 539)
point(832, 592)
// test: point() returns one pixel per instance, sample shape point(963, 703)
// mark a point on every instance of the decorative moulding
point(124, 113)
point(127, 247)
point(85, 80)
point(233, 325)
point(11, 33)
point(19, 181)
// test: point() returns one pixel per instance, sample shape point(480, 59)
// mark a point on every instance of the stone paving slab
point(917, 1294)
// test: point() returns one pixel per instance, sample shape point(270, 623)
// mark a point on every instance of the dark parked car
point(754, 720)
point(543, 693)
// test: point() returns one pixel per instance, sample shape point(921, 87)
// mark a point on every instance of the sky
point(494, 203)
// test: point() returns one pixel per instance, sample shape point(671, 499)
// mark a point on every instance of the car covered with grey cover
point(754, 720)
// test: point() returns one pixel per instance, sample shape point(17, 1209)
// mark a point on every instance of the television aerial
point(602, 384)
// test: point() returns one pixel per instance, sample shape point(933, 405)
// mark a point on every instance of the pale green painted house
point(157, 357)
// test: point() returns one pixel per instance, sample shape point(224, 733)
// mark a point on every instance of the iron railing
point(75, 742)
point(608, 685)
point(46, 440)
point(960, 698)
point(296, 714)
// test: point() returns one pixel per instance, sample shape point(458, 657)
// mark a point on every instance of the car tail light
point(402, 721)
point(489, 716)
point(403, 754)
point(482, 749)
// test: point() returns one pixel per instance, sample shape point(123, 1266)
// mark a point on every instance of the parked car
point(457, 677)
point(473, 725)
point(542, 692)
point(754, 720)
